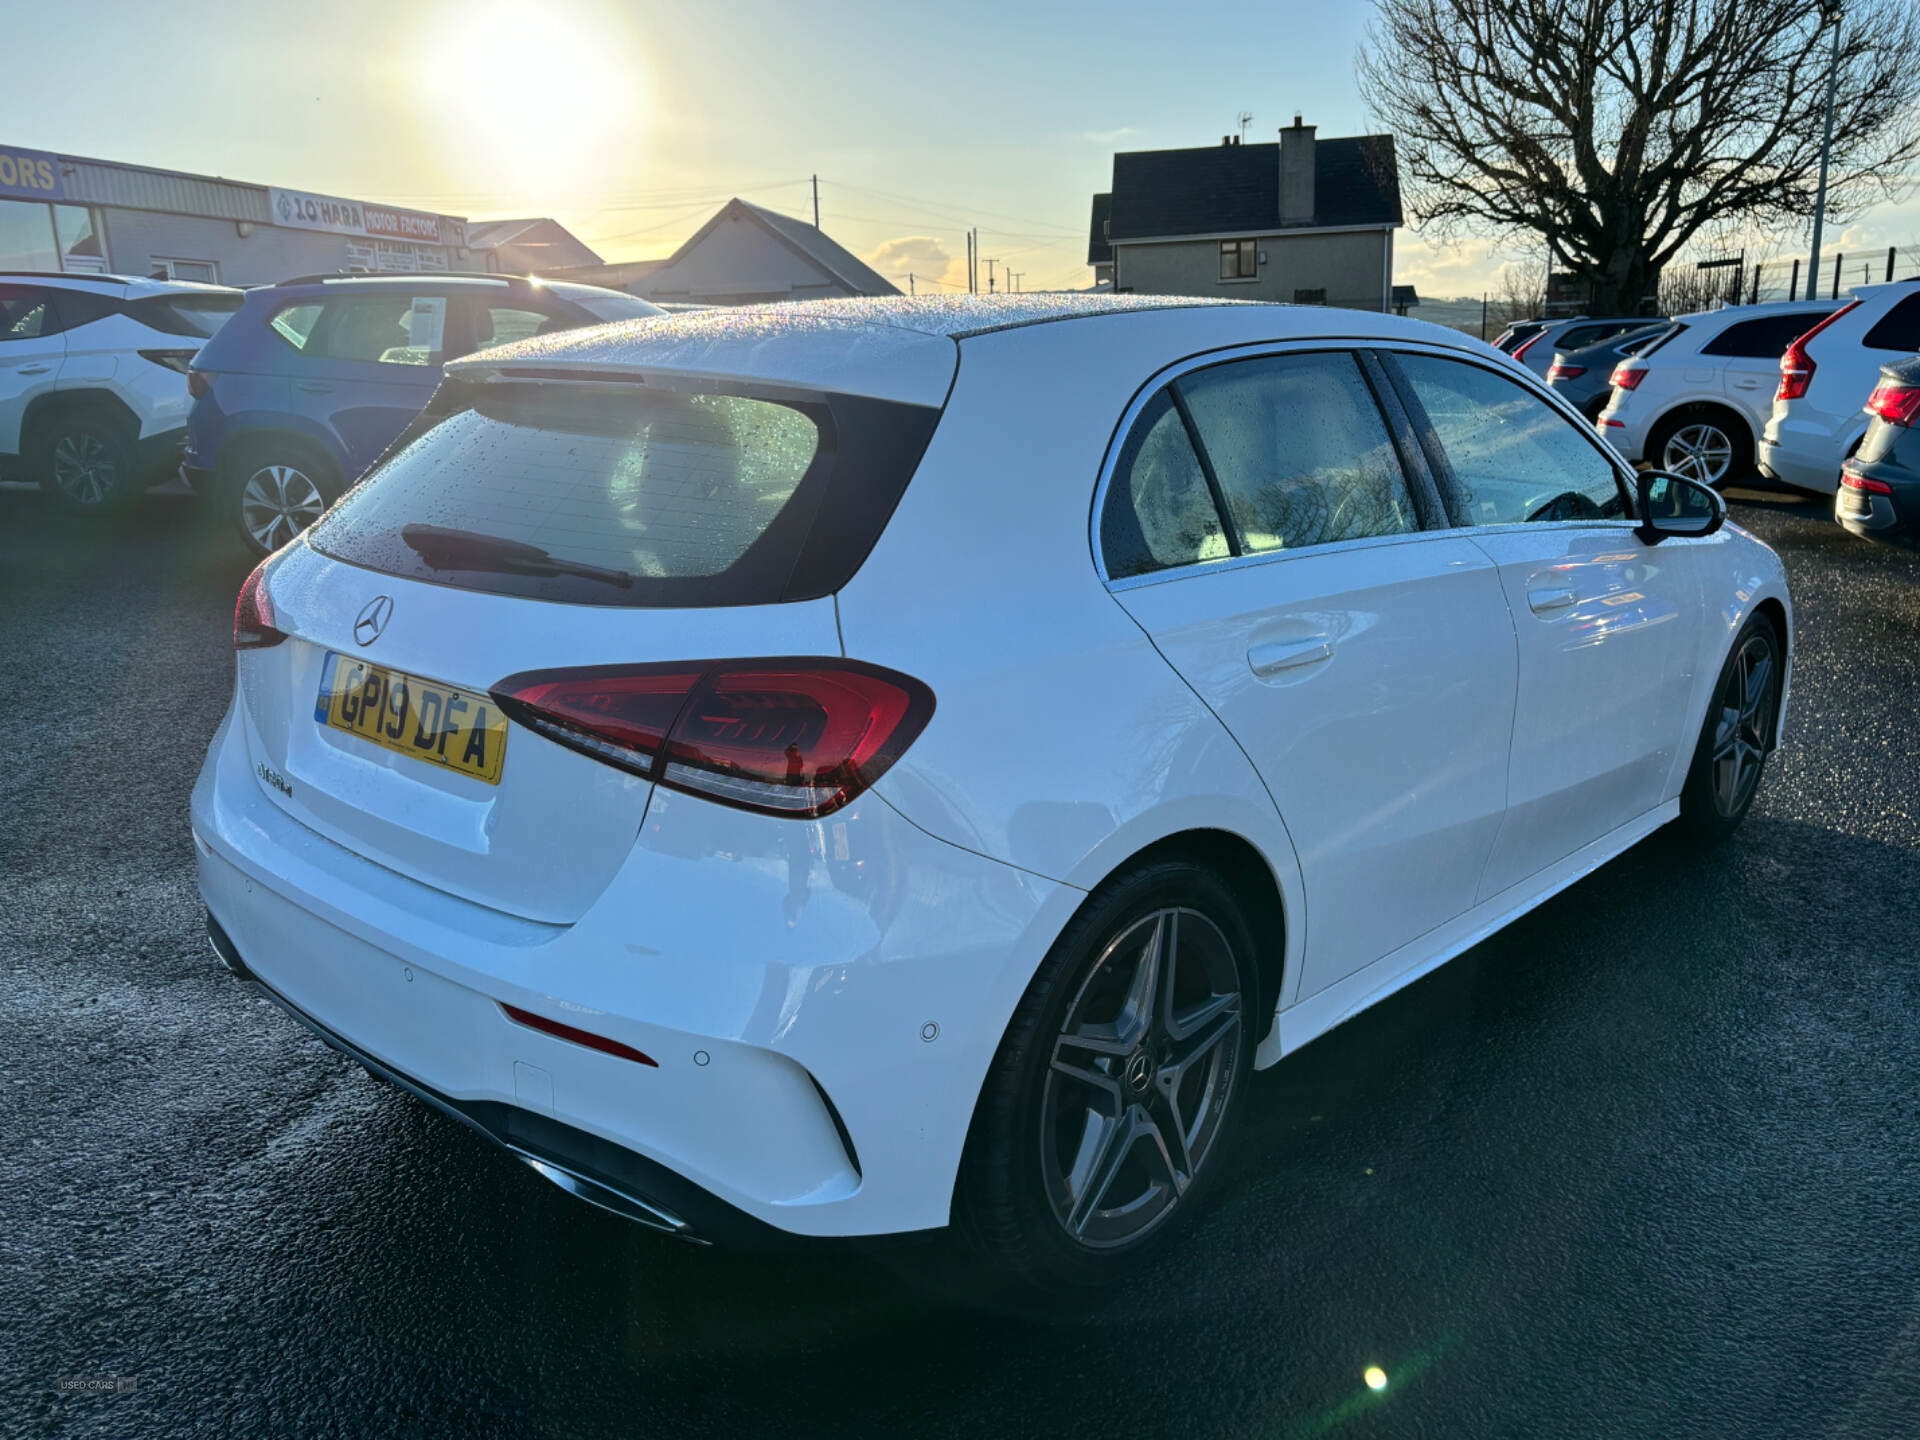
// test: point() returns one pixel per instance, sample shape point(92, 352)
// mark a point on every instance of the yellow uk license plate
point(438, 724)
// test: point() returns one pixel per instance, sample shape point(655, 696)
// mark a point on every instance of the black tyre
point(1737, 735)
point(272, 488)
point(1105, 1117)
point(84, 458)
point(1704, 445)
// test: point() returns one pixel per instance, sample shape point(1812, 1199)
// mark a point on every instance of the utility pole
point(1013, 279)
point(1826, 142)
point(991, 262)
point(970, 276)
point(816, 202)
point(910, 289)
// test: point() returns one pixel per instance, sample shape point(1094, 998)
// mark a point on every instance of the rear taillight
point(1860, 482)
point(1626, 377)
point(253, 614)
point(1527, 344)
point(199, 382)
point(795, 737)
point(176, 360)
point(1796, 365)
point(1564, 372)
point(1895, 403)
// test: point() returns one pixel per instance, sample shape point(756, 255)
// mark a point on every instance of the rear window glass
point(199, 316)
point(629, 494)
point(1898, 329)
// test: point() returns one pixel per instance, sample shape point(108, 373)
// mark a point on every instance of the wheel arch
point(242, 438)
point(43, 408)
point(1687, 410)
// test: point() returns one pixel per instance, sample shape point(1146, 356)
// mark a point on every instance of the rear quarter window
point(631, 494)
point(294, 323)
point(1898, 329)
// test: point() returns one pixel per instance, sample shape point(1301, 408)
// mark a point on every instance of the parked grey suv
point(1584, 376)
point(1536, 351)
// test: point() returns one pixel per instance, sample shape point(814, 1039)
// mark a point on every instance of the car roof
point(125, 287)
point(1733, 314)
point(904, 348)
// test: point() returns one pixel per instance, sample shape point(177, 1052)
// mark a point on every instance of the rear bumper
point(822, 1000)
point(1893, 519)
point(1798, 456)
point(157, 456)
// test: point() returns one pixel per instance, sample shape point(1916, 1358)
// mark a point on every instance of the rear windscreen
point(199, 316)
point(631, 493)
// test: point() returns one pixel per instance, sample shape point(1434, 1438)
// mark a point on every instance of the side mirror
point(1675, 505)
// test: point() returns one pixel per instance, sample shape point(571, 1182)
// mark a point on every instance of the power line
point(1048, 226)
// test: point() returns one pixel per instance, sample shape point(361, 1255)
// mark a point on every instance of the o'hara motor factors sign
point(301, 211)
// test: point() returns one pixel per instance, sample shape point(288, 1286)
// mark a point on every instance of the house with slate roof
point(746, 254)
point(1306, 220)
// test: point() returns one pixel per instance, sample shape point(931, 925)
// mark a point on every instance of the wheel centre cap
point(1139, 1071)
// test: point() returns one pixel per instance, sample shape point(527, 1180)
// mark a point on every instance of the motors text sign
point(29, 174)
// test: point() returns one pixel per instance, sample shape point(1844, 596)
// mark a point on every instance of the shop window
point(78, 231)
point(204, 272)
point(26, 236)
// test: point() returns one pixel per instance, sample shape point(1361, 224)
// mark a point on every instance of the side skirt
point(1311, 1018)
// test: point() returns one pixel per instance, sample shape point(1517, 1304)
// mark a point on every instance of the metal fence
point(1736, 281)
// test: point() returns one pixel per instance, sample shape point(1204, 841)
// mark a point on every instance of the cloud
point(1108, 137)
point(926, 257)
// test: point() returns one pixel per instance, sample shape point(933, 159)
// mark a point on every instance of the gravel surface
point(1643, 1164)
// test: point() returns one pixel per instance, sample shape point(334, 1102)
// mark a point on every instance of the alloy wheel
point(1745, 715)
point(277, 503)
point(1700, 452)
point(84, 468)
point(1139, 1077)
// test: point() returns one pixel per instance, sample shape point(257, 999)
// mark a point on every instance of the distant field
point(1454, 314)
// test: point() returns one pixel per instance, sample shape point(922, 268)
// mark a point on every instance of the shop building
point(65, 212)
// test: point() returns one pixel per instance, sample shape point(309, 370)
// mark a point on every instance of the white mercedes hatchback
point(853, 767)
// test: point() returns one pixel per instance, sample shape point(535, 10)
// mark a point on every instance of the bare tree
point(1617, 129)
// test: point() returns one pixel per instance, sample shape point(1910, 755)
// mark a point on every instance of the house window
point(1239, 259)
point(1310, 297)
point(206, 272)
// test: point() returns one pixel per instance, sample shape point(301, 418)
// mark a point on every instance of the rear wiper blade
point(445, 548)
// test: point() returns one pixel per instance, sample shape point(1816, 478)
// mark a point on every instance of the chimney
point(1296, 174)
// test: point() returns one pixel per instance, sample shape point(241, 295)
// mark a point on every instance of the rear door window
point(1763, 339)
point(1300, 451)
point(1511, 456)
point(630, 494)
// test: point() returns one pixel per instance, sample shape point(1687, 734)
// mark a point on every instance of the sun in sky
point(534, 97)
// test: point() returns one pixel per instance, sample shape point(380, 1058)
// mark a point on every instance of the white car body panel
point(880, 952)
point(1806, 440)
point(1678, 375)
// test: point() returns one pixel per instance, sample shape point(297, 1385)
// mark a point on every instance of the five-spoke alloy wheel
point(1710, 448)
point(1737, 735)
point(1115, 1088)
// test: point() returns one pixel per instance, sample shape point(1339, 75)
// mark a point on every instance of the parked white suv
point(1695, 400)
point(93, 380)
point(1825, 378)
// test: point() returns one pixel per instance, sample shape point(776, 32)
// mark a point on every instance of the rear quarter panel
point(1062, 742)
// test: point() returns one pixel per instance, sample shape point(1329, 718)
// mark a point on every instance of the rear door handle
point(35, 369)
point(1547, 601)
point(314, 389)
point(1265, 660)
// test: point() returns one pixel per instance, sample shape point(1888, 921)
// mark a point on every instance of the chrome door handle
point(35, 369)
point(1547, 602)
point(1265, 660)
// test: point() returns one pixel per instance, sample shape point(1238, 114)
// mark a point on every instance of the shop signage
point(302, 211)
point(30, 174)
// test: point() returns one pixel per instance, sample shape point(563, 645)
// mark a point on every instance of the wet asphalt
point(1643, 1164)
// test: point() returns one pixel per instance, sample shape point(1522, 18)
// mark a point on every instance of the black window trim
point(1417, 477)
point(1436, 455)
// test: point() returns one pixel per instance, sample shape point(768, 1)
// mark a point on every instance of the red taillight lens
point(1565, 372)
point(1626, 377)
point(1528, 344)
point(1796, 366)
point(1861, 482)
point(198, 383)
point(1895, 403)
point(253, 614)
point(798, 737)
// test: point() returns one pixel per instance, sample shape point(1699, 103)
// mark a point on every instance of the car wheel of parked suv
point(274, 488)
point(85, 460)
point(1702, 446)
point(1737, 735)
point(1117, 1081)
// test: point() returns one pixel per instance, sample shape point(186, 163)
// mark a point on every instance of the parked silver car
point(1583, 376)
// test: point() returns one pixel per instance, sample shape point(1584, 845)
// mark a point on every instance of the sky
point(632, 122)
